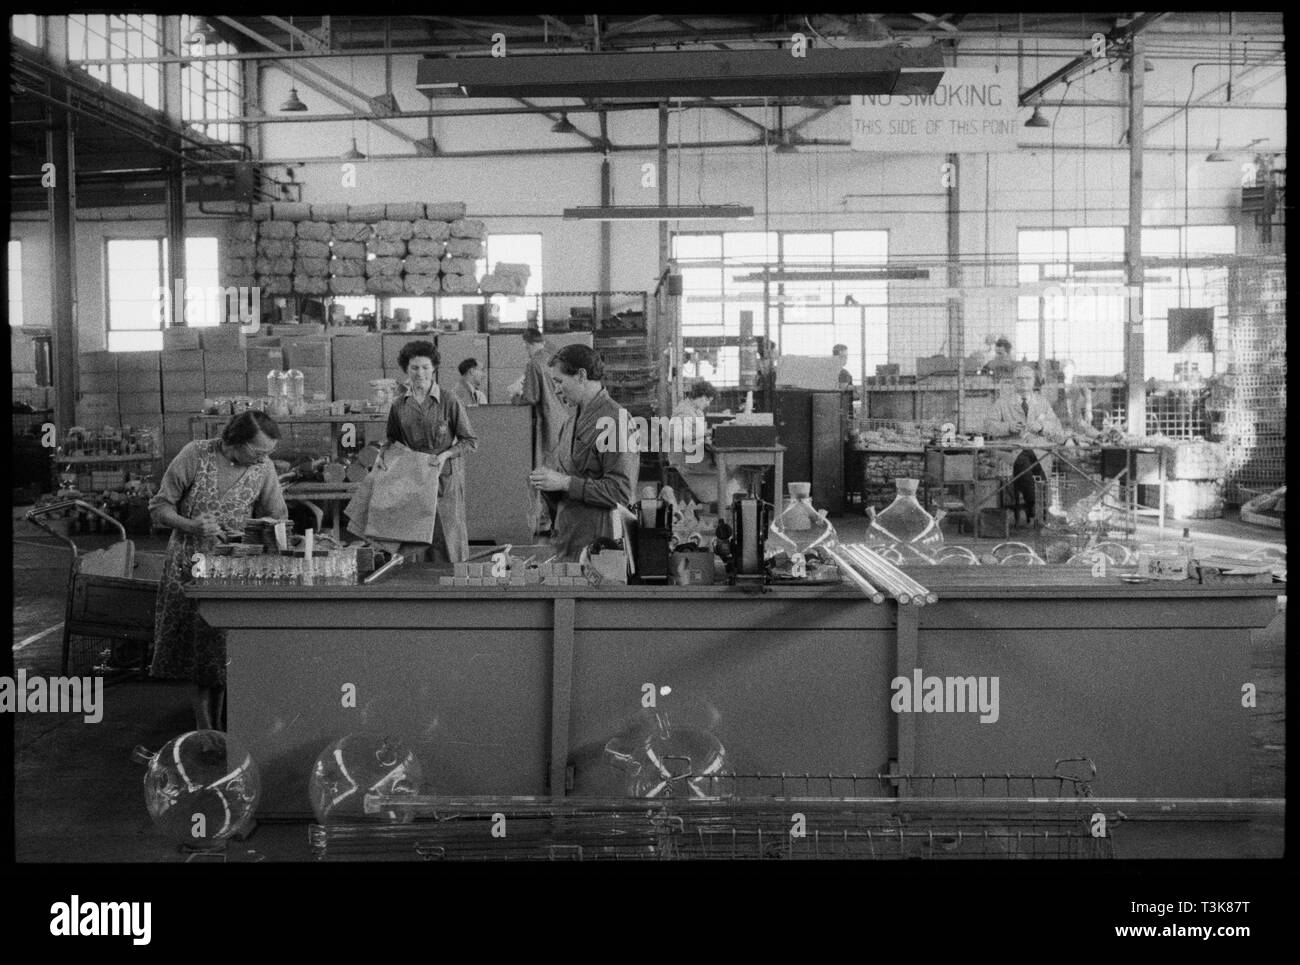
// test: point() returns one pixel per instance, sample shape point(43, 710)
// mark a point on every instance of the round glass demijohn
point(905, 523)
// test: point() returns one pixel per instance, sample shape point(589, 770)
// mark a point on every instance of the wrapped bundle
point(493, 284)
point(241, 249)
point(459, 266)
point(404, 211)
point(383, 267)
point(384, 248)
point(314, 230)
point(349, 249)
point(241, 281)
point(432, 230)
point(366, 212)
point(394, 230)
point(308, 285)
point(348, 267)
point(444, 210)
point(291, 211)
point(312, 267)
point(275, 284)
point(261, 212)
point(349, 231)
point(426, 248)
point(329, 212)
point(420, 265)
point(273, 266)
point(384, 285)
point(421, 284)
point(506, 269)
point(465, 248)
point(340, 285)
point(459, 284)
point(277, 229)
point(311, 249)
point(242, 231)
point(274, 248)
point(468, 228)
point(239, 266)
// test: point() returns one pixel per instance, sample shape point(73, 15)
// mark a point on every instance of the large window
point(210, 90)
point(98, 36)
point(26, 26)
point(803, 317)
point(1084, 319)
point(139, 292)
point(15, 282)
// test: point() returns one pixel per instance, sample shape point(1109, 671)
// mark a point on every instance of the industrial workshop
point(626, 438)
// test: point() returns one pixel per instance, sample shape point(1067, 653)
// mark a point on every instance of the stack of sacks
point(468, 228)
point(369, 213)
point(405, 211)
point(421, 283)
point(420, 272)
point(274, 262)
point(432, 230)
point(506, 279)
point(311, 258)
point(261, 212)
point(383, 248)
point(384, 273)
point(241, 250)
point(291, 211)
point(425, 248)
point(329, 212)
point(394, 230)
point(349, 231)
point(458, 276)
point(465, 248)
point(347, 266)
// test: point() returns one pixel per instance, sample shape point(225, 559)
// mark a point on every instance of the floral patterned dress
point(185, 647)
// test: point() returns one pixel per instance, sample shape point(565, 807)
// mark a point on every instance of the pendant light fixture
point(352, 154)
point(563, 126)
point(1037, 119)
point(292, 103)
point(1214, 157)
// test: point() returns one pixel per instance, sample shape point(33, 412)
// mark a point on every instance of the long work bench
point(517, 690)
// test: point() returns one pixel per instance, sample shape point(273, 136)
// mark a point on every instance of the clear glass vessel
point(904, 522)
point(800, 528)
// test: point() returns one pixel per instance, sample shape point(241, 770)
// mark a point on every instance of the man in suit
point(469, 390)
point(1024, 414)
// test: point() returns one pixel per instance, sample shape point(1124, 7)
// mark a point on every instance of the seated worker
point(700, 475)
point(591, 476)
point(469, 390)
point(1001, 366)
point(1020, 415)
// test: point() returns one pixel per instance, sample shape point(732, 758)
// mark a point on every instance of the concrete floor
point(79, 796)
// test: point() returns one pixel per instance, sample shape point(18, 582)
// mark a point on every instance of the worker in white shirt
point(1025, 414)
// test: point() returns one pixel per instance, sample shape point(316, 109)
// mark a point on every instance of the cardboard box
point(225, 362)
point(98, 400)
point(507, 351)
point(498, 383)
point(174, 382)
point(216, 384)
point(226, 337)
point(183, 403)
point(182, 360)
point(354, 383)
point(138, 402)
point(261, 360)
point(307, 353)
point(177, 338)
point(359, 351)
point(138, 380)
point(137, 361)
point(175, 424)
point(97, 362)
point(97, 381)
point(316, 380)
point(297, 331)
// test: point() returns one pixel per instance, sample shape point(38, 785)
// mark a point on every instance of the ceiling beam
point(619, 28)
point(563, 27)
point(309, 69)
point(935, 23)
point(1116, 37)
point(595, 142)
point(1214, 90)
point(820, 112)
point(310, 42)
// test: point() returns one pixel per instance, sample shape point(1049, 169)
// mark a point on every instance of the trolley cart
point(105, 600)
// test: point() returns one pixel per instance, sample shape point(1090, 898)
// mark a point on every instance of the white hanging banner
point(973, 110)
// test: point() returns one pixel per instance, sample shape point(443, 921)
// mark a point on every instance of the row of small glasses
point(337, 568)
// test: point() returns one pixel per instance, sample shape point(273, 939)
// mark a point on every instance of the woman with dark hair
point(428, 420)
point(596, 464)
point(212, 487)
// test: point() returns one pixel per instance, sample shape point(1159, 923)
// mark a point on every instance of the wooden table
point(309, 493)
point(730, 457)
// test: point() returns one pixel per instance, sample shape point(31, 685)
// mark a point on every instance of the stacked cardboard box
point(357, 360)
point(180, 337)
point(225, 373)
point(182, 382)
point(139, 396)
point(225, 338)
point(260, 361)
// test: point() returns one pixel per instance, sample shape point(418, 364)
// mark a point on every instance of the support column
point(1134, 332)
point(61, 200)
point(606, 228)
point(956, 333)
point(172, 93)
point(661, 336)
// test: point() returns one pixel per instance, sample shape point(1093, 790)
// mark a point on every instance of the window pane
point(1096, 244)
point(861, 247)
point(749, 247)
point(697, 247)
point(15, 282)
point(1160, 242)
point(1042, 245)
point(203, 294)
point(1211, 240)
point(136, 292)
point(805, 249)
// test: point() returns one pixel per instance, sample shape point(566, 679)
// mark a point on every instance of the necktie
point(1024, 406)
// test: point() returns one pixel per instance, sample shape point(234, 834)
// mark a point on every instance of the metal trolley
point(106, 602)
point(749, 816)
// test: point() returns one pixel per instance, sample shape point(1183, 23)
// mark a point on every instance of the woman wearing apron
point(428, 420)
point(210, 488)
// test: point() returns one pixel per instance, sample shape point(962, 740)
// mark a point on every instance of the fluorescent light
point(847, 274)
point(651, 212)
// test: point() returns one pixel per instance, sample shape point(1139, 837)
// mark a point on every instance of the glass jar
point(800, 528)
point(277, 392)
point(904, 523)
point(294, 392)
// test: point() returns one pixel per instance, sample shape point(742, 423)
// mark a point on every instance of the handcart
point(106, 599)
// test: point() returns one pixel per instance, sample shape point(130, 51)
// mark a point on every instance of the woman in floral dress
point(212, 487)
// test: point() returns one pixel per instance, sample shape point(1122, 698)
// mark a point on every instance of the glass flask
point(201, 788)
point(905, 524)
point(667, 760)
point(294, 391)
point(277, 392)
point(361, 764)
point(800, 528)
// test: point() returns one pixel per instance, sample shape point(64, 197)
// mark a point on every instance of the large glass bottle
point(905, 525)
point(277, 392)
point(800, 528)
point(295, 390)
